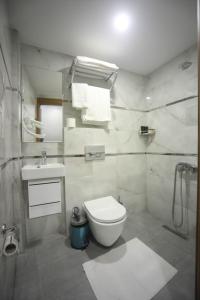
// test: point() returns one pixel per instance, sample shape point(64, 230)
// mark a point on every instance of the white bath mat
point(129, 272)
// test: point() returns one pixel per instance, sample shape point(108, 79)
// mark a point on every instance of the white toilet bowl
point(106, 217)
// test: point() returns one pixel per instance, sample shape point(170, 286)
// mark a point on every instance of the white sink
point(43, 171)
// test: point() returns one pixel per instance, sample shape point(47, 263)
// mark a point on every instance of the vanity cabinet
point(44, 197)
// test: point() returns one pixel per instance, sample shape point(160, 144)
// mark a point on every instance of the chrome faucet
point(44, 158)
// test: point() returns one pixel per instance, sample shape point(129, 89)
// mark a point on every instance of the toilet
point(106, 218)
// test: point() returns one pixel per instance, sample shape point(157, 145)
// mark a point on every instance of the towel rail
point(89, 72)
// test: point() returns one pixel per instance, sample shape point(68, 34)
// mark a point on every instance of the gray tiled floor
point(53, 270)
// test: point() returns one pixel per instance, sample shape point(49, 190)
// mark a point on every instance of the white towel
point(98, 106)
point(79, 95)
point(96, 64)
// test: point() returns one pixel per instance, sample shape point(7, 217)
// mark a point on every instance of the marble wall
point(170, 83)
point(10, 148)
point(176, 132)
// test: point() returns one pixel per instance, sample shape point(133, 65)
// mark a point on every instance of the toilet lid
point(105, 210)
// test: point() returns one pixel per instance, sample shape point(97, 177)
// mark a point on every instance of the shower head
point(185, 65)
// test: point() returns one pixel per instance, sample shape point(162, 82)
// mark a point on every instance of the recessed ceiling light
point(148, 98)
point(122, 22)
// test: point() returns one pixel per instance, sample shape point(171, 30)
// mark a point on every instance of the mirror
point(42, 105)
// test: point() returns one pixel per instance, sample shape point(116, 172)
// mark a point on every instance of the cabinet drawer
point(44, 210)
point(44, 192)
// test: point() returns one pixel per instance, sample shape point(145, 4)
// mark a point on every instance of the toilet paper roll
point(11, 245)
point(71, 122)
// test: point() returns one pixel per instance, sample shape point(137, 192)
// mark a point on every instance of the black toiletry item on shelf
point(144, 129)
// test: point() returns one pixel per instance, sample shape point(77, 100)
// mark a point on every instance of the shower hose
point(181, 168)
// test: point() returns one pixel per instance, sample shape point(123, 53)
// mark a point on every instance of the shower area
point(172, 153)
point(171, 157)
point(180, 213)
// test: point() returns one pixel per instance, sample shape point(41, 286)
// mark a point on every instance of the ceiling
point(159, 29)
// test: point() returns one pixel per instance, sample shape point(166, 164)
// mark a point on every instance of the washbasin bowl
point(43, 171)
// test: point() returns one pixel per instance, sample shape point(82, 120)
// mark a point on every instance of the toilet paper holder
point(11, 242)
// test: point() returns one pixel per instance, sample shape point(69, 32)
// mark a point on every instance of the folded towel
point(96, 64)
point(79, 95)
point(98, 106)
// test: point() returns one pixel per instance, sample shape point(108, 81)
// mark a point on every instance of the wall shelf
point(150, 132)
point(100, 72)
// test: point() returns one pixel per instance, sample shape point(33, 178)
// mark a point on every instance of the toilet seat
point(105, 210)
